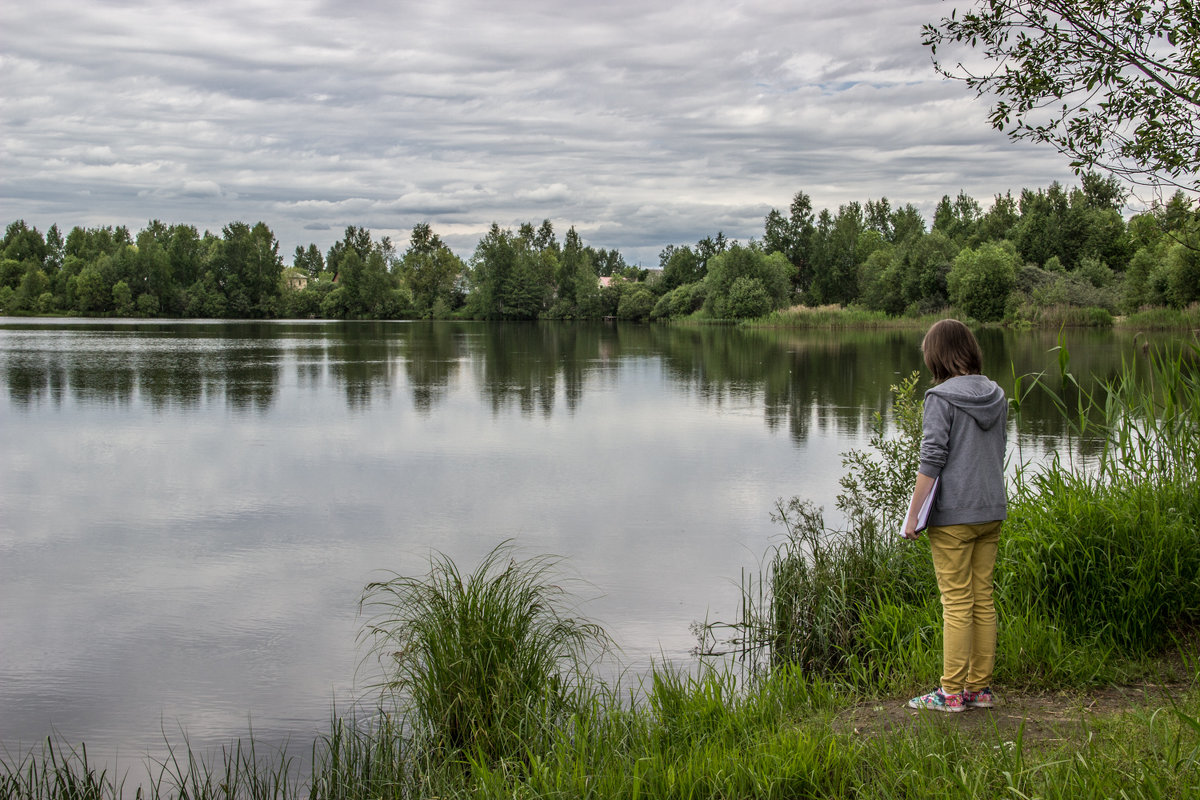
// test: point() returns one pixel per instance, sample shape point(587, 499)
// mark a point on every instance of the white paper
point(926, 507)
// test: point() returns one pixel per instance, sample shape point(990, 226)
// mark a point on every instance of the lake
point(189, 511)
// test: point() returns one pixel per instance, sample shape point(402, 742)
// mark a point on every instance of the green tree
point(771, 273)
point(636, 303)
point(682, 267)
point(793, 236)
point(356, 240)
point(122, 299)
point(55, 250)
point(881, 281)
point(147, 305)
point(998, 222)
point(432, 272)
point(247, 267)
point(927, 263)
point(982, 279)
point(151, 264)
point(1183, 281)
point(88, 244)
point(1112, 84)
point(959, 218)
point(309, 260)
point(907, 224)
point(747, 299)
point(92, 292)
point(33, 285)
point(835, 265)
point(509, 279)
point(23, 244)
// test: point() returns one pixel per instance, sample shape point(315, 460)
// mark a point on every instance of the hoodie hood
point(975, 395)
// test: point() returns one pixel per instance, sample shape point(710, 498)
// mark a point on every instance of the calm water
point(189, 511)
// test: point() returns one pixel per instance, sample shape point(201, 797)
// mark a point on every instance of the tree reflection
point(803, 380)
point(362, 359)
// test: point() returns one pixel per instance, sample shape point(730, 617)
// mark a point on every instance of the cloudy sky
point(640, 122)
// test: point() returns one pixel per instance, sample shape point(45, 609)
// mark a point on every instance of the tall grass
point(838, 601)
point(704, 738)
point(487, 664)
point(1164, 319)
point(837, 317)
point(1109, 551)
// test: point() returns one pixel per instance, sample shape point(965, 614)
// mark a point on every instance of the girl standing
point(962, 447)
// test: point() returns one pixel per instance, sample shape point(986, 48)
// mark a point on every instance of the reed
point(485, 664)
point(1164, 319)
point(839, 601)
point(57, 772)
point(838, 317)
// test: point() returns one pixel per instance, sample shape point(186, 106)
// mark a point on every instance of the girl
point(963, 448)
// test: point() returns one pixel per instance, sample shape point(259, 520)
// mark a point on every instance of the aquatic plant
point(487, 664)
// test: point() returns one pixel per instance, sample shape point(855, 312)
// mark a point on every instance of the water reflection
point(801, 379)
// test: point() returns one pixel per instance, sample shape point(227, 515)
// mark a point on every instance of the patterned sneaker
point(984, 698)
point(937, 700)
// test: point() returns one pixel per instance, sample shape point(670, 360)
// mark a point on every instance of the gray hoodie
point(963, 443)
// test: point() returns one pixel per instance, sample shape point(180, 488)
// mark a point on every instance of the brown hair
point(950, 350)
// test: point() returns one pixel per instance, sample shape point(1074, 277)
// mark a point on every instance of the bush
point(1183, 278)
point(636, 304)
point(773, 272)
point(747, 299)
point(1095, 272)
point(147, 305)
point(981, 280)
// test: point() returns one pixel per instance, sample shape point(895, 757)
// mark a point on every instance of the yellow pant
point(964, 557)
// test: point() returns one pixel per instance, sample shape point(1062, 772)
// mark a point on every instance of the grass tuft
point(485, 664)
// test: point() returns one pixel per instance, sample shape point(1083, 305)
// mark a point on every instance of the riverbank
point(705, 737)
point(1054, 317)
point(836, 317)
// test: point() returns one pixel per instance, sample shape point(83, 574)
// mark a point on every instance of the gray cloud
point(641, 124)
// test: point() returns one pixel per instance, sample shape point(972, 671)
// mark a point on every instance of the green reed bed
point(1164, 319)
point(838, 317)
point(1065, 316)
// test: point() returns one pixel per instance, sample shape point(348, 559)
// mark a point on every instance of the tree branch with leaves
point(1113, 85)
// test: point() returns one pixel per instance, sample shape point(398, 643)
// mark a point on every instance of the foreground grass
point(707, 737)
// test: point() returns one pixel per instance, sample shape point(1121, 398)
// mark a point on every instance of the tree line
point(1045, 248)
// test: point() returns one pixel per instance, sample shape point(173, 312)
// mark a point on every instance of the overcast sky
point(640, 122)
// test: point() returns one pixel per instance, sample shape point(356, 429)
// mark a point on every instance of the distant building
point(295, 279)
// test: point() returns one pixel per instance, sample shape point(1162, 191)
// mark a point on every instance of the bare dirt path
point(1037, 718)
